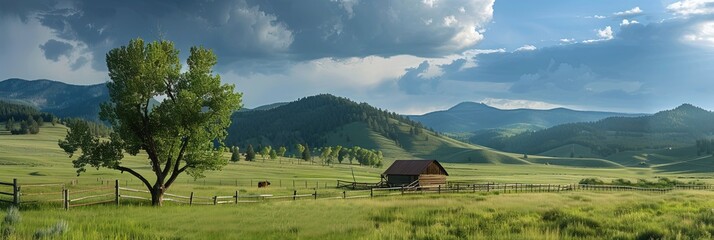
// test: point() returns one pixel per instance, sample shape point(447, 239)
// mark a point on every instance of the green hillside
point(326, 120)
point(676, 128)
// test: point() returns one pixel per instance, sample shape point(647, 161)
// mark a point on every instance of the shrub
point(58, 229)
point(651, 234)
point(11, 219)
point(594, 181)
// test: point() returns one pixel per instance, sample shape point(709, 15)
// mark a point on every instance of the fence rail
point(113, 194)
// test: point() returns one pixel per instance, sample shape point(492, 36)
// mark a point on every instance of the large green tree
point(184, 133)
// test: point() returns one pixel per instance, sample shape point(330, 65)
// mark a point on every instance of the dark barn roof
point(411, 167)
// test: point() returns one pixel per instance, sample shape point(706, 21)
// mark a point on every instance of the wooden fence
point(14, 191)
point(105, 193)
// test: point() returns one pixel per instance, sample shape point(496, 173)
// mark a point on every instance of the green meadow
point(566, 215)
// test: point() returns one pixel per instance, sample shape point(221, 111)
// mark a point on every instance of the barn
point(414, 173)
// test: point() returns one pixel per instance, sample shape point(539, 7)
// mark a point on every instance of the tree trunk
point(157, 196)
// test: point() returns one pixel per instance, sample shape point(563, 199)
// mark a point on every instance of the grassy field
point(573, 215)
point(568, 215)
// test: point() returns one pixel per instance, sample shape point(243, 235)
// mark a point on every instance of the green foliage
point(95, 128)
point(281, 151)
point(235, 154)
point(273, 155)
point(306, 153)
point(299, 124)
point(179, 135)
point(21, 112)
point(9, 223)
point(250, 154)
point(264, 151)
point(300, 148)
point(592, 181)
point(54, 231)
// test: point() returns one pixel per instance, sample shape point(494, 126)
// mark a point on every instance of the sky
point(407, 56)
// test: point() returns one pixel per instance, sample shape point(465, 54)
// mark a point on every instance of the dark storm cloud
point(271, 30)
point(53, 49)
point(23, 9)
point(641, 65)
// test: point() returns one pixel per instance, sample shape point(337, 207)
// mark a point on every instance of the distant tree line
point(23, 119)
point(328, 155)
point(704, 146)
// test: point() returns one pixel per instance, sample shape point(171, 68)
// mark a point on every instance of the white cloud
point(596, 16)
point(567, 40)
point(702, 34)
point(626, 22)
point(631, 12)
point(526, 48)
point(429, 3)
point(450, 21)
point(692, 7)
point(518, 104)
point(605, 33)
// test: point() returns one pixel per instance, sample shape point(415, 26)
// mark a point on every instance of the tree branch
point(136, 174)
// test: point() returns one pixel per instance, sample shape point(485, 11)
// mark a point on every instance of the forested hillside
point(58, 98)
point(469, 117)
point(309, 120)
point(678, 127)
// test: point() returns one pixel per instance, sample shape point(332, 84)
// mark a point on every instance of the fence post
point(402, 190)
point(474, 188)
point(315, 194)
point(294, 194)
point(371, 192)
point(488, 187)
point(236, 196)
point(344, 194)
point(66, 199)
point(439, 189)
point(15, 192)
point(116, 191)
point(215, 200)
point(190, 199)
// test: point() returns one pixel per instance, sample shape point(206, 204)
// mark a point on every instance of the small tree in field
point(273, 155)
point(265, 151)
point(306, 153)
point(300, 148)
point(250, 154)
point(182, 134)
point(281, 151)
point(235, 155)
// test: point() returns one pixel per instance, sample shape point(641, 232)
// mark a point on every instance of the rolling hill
point(470, 117)
point(326, 120)
point(676, 128)
point(60, 99)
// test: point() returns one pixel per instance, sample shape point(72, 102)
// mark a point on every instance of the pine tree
point(235, 156)
point(250, 154)
point(306, 153)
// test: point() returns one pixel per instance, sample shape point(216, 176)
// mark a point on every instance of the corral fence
point(59, 193)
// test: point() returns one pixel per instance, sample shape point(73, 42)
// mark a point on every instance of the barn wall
point(433, 169)
point(432, 180)
point(399, 180)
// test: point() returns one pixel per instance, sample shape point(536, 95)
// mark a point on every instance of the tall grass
point(572, 215)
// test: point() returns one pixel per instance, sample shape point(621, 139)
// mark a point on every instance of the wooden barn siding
point(433, 169)
point(432, 179)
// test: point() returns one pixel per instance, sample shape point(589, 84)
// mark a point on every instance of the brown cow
point(263, 184)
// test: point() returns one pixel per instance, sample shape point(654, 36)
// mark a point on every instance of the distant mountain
point(676, 128)
point(472, 117)
point(58, 98)
point(326, 120)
